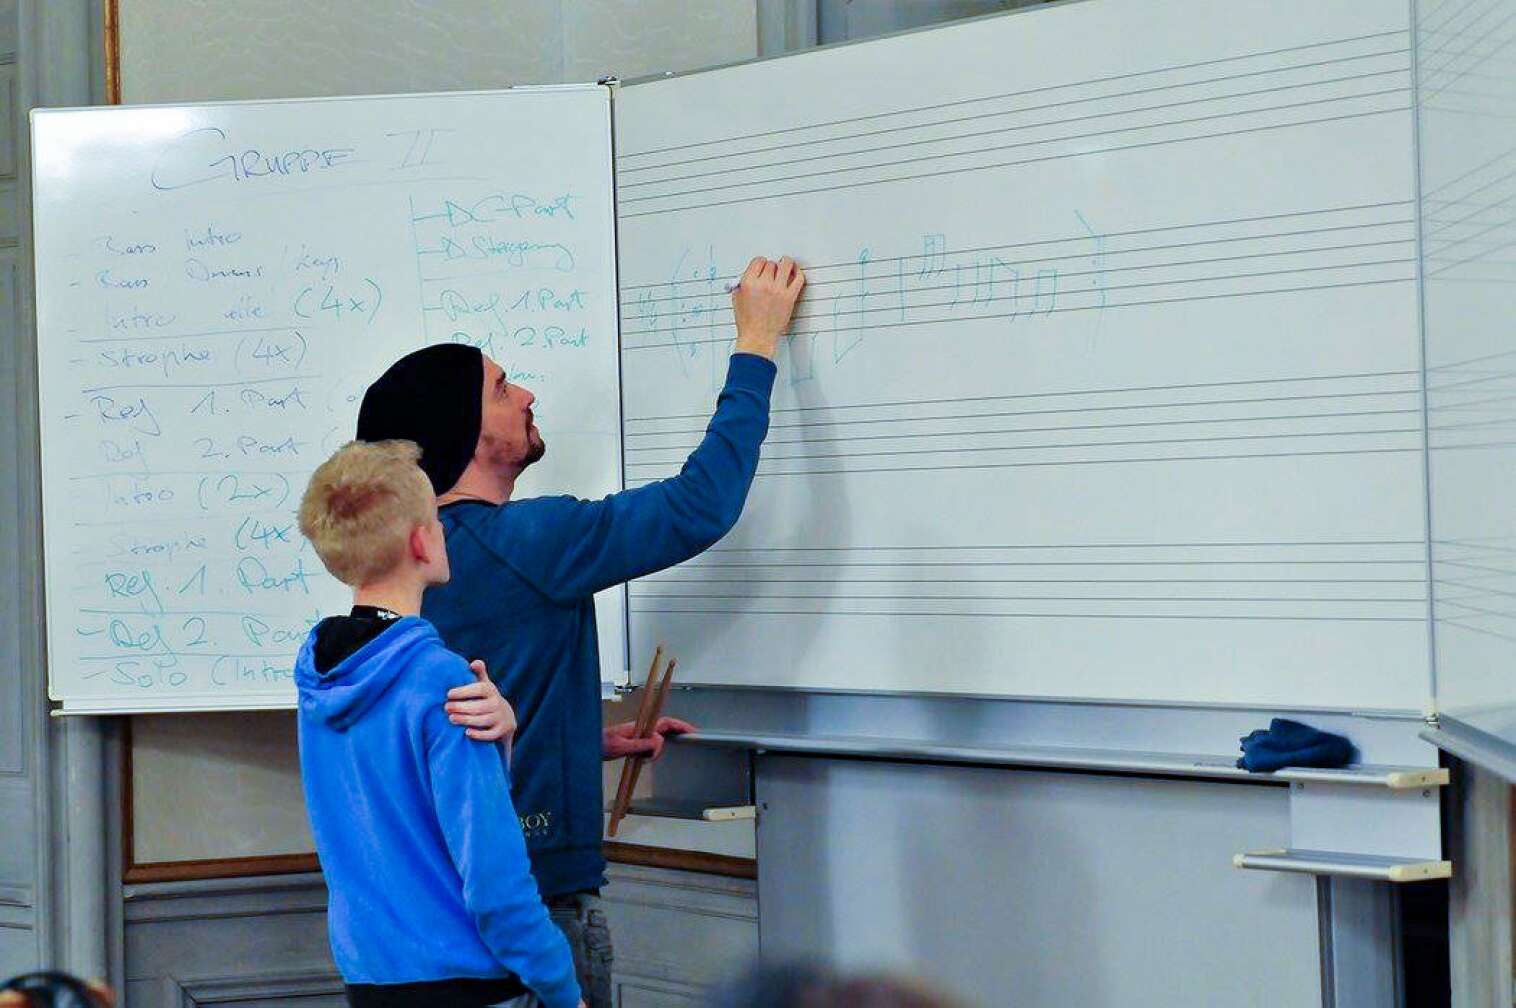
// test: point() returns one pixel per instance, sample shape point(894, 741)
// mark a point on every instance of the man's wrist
point(756, 347)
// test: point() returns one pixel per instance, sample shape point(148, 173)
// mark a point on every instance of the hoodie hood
point(341, 696)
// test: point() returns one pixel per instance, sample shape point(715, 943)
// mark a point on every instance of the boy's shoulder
point(431, 662)
point(430, 670)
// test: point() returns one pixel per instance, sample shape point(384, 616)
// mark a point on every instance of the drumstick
point(640, 726)
point(632, 768)
point(663, 692)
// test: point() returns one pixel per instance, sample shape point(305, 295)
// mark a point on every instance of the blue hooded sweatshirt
point(423, 855)
point(521, 599)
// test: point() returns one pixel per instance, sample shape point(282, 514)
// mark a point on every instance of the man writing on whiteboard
point(524, 573)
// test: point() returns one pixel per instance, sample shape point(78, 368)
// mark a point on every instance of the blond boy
point(432, 898)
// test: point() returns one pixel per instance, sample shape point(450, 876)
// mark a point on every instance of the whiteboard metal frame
point(1207, 767)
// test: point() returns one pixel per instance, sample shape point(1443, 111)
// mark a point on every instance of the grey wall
point(54, 877)
point(18, 683)
point(849, 20)
point(1480, 895)
point(191, 50)
point(1033, 889)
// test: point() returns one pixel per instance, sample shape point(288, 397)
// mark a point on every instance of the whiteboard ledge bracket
point(1362, 866)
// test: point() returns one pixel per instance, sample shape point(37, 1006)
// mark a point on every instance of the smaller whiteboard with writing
point(216, 286)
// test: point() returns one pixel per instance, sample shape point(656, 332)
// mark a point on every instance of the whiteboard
point(1465, 52)
point(1106, 384)
point(216, 286)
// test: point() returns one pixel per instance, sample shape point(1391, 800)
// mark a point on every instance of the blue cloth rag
point(1289, 743)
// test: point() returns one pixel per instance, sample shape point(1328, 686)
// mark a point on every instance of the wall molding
point(677, 933)
point(17, 920)
point(17, 895)
point(658, 989)
point(192, 992)
point(229, 897)
point(655, 885)
point(219, 899)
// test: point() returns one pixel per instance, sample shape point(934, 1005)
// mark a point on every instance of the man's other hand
point(479, 706)
point(764, 303)
point(621, 739)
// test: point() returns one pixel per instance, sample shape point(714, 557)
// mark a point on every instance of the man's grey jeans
point(582, 921)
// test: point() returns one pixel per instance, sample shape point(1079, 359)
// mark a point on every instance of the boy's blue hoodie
point(421, 847)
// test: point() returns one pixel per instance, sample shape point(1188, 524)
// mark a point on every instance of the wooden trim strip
point(112, 52)
point(681, 860)
point(219, 868)
point(291, 864)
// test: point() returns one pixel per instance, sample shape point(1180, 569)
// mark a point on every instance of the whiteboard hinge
point(1431, 721)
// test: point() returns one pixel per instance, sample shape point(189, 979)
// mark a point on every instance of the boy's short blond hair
point(361, 505)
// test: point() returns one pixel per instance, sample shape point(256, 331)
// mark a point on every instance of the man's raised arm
point(580, 547)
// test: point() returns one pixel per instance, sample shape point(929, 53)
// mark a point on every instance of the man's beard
point(534, 452)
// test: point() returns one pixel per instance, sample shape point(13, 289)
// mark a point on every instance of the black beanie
point(432, 397)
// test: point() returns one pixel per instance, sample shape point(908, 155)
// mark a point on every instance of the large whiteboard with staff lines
point(218, 283)
point(1106, 383)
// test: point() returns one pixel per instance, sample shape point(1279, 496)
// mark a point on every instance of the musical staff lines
point(1469, 223)
point(1466, 54)
point(1471, 433)
point(1368, 580)
point(1469, 205)
point(1309, 415)
point(1475, 585)
point(1472, 403)
point(935, 284)
point(1326, 82)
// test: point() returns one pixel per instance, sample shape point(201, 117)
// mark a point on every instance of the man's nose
point(531, 397)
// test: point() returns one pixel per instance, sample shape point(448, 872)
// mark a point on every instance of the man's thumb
point(480, 672)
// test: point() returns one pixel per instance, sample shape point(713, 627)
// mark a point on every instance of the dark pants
point(582, 922)
point(440, 994)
